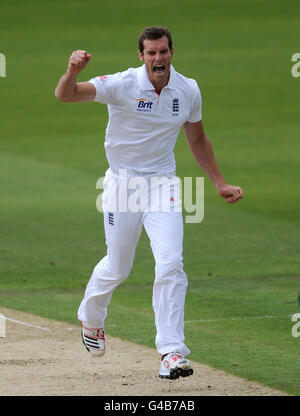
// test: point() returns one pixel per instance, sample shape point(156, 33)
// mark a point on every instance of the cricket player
point(147, 107)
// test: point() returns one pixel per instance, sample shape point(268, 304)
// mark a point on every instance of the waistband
point(129, 173)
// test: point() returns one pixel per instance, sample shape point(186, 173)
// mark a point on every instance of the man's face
point(157, 58)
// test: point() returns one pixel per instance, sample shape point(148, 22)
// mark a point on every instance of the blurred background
point(242, 261)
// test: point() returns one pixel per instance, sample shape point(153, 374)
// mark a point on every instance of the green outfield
point(243, 260)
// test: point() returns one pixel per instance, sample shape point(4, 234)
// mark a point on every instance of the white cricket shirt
point(143, 126)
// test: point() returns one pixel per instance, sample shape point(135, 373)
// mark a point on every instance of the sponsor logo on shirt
point(144, 105)
point(103, 77)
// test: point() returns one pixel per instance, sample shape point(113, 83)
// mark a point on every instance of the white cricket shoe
point(93, 339)
point(173, 366)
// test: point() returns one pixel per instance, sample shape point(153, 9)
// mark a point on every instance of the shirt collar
point(144, 82)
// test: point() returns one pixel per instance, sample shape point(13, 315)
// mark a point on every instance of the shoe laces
point(170, 355)
point(95, 332)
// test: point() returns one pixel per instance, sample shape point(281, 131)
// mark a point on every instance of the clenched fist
point(78, 61)
point(231, 193)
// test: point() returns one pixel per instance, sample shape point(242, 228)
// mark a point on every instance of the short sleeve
point(107, 88)
point(196, 110)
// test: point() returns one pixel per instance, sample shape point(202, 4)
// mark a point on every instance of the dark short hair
point(153, 33)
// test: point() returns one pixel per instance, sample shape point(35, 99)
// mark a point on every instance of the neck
point(160, 85)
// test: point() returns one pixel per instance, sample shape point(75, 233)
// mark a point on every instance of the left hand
point(231, 193)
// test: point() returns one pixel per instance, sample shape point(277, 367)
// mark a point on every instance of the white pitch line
point(26, 324)
point(246, 318)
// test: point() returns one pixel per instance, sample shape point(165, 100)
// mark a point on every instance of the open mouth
point(158, 68)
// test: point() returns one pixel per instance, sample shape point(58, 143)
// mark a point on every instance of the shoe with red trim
point(173, 366)
point(93, 339)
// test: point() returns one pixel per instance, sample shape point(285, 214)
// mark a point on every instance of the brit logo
point(144, 105)
point(175, 107)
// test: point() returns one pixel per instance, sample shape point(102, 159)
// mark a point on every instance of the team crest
point(175, 106)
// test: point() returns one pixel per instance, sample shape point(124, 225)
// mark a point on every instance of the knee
point(120, 271)
point(170, 268)
point(113, 269)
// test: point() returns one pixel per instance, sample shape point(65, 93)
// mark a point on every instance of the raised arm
point(70, 91)
point(202, 151)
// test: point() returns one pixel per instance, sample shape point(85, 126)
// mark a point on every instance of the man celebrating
point(147, 107)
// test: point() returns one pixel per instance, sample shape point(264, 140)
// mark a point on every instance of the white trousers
point(122, 231)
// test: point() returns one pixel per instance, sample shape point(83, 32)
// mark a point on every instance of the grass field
point(242, 261)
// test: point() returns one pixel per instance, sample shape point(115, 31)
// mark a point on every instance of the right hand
point(78, 61)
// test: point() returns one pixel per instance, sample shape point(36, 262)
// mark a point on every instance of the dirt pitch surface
point(53, 362)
